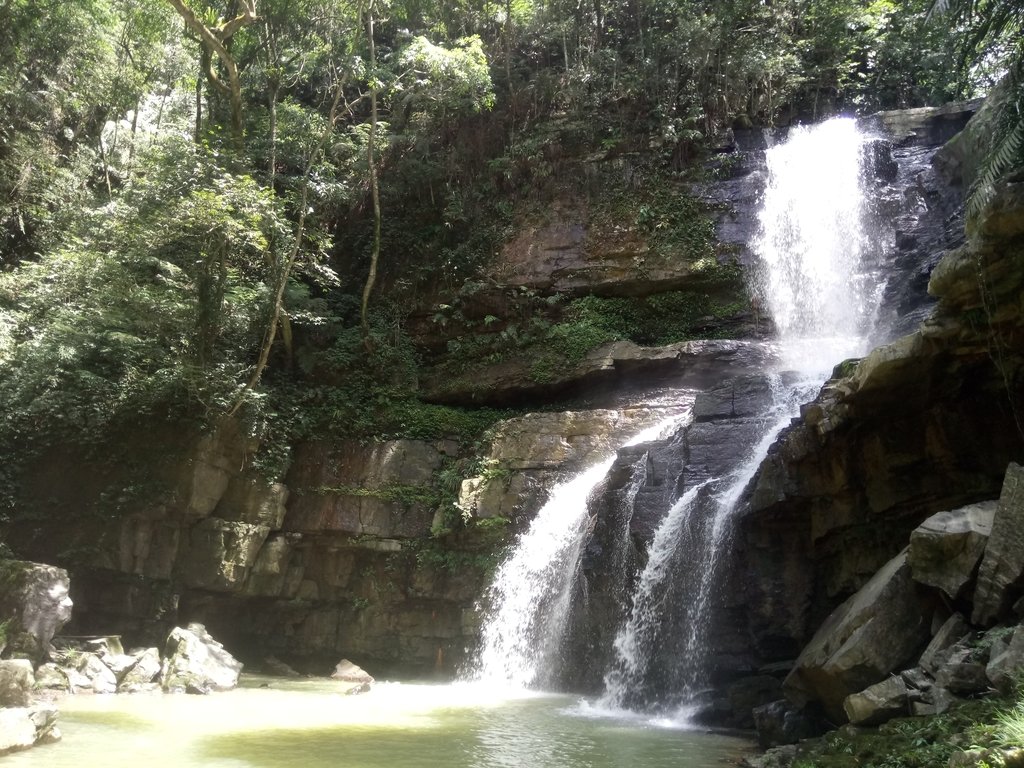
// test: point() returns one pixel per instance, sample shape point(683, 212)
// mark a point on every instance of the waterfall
point(811, 247)
point(530, 595)
point(812, 280)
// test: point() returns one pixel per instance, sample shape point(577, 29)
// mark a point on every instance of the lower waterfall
point(529, 597)
point(683, 561)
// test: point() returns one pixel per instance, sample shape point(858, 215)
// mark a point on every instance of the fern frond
point(1006, 154)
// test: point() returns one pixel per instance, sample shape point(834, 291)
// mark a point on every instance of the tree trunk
point(213, 41)
point(293, 255)
point(374, 188)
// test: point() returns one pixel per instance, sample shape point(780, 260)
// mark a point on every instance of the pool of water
point(274, 723)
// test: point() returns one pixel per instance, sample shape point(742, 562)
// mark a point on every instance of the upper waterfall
point(812, 245)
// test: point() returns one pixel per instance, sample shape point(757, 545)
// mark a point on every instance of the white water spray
point(812, 243)
point(532, 589)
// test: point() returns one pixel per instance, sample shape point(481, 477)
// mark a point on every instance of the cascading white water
point(529, 598)
point(637, 637)
point(812, 244)
point(811, 280)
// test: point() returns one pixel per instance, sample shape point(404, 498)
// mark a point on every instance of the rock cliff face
point(926, 423)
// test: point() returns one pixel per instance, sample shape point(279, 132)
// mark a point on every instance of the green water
point(308, 724)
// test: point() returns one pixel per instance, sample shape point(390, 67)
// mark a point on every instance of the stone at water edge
point(356, 678)
point(1002, 568)
point(51, 677)
point(871, 635)
point(16, 682)
point(779, 722)
point(145, 674)
point(196, 663)
point(24, 727)
point(34, 598)
point(98, 676)
point(946, 548)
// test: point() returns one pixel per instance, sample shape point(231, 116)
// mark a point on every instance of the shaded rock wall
point(926, 423)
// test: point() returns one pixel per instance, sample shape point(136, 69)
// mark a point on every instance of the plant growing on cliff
point(991, 46)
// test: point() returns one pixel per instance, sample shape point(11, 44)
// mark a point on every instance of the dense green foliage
point(993, 46)
point(186, 188)
point(984, 727)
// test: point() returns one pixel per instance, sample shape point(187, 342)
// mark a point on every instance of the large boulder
point(1002, 569)
point(34, 601)
point(946, 548)
point(24, 727)
point(864, 640)
point(16, 682)
point(355, 678)
point(196, 663)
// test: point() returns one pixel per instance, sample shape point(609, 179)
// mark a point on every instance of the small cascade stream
point(529, 597)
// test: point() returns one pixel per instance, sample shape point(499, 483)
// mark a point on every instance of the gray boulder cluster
point(34, 605)
point(191, 662)
point(940, 621)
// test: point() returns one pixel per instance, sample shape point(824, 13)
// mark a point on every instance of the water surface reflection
point(307, 724)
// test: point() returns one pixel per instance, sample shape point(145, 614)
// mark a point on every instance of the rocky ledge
point(618, 367)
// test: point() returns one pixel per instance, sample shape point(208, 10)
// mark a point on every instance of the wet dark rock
point(735, 398)
point(779, 722)
point(629, 506)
